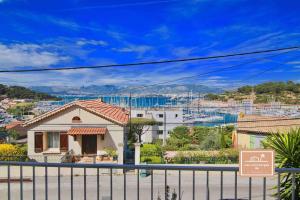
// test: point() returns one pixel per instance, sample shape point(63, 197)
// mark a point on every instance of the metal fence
point(211, 182)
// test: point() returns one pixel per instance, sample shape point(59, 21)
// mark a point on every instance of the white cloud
point(33, 55)
point(83, 42)
point(139, 49)
point(183, 51)
point(294, 63)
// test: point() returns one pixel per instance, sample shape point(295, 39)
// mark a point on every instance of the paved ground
point(172, 179)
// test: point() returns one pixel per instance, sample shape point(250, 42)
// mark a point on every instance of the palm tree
point(287, 148)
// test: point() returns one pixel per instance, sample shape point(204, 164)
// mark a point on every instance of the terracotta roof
point(112, 113)
point(87, 131)
point(266, 124)
point(13, 124)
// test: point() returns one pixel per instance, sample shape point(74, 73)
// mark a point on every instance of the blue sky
point(35, 34)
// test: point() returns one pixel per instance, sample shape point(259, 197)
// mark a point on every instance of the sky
point(51, 34)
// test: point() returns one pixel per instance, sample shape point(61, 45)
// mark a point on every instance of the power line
point(209, 72)
point(152, 62)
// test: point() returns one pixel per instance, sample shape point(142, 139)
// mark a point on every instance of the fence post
point(137, 152)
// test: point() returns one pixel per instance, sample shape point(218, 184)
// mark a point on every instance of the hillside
point(285, 92)
point(18, 92)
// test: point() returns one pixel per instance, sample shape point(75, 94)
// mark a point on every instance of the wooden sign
point(257, 163)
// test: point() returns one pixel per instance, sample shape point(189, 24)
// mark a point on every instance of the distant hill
point(18, 92)
point(285, 92)
point(123, 90)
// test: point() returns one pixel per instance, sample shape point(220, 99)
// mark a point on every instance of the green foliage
point(287, 148)
point(19, 92)
point(245, 89)
point(9, 152)
point(214, 97)
point(225, 156)
point(137, 127)
point(286, 92)
point(205, 138)
point(110, 152)
point(20, 109)
point(179, 138)
point(151, 153)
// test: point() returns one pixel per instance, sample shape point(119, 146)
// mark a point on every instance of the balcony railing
point(113, 181)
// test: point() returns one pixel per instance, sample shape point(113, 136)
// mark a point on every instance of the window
point(160, 115)
point(53, 140)
point(76, 119)
point(160, 132)
point(176, 115)
point(139, 115)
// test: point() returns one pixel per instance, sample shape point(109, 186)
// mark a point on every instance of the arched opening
point(76, 119)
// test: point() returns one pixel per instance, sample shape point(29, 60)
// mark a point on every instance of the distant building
point(83, 127)
point(252, 129)
point(20, 129)
point(169, 117)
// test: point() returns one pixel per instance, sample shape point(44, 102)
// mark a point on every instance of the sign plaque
point(257, 163)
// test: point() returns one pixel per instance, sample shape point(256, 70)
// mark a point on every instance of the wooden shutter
point(38, 142)
point(64, 144)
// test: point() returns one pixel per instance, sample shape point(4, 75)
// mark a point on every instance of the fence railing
point(134, 182)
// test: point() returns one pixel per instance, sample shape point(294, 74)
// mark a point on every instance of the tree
point(138, 127)
point(179, 137)
point(287, 148)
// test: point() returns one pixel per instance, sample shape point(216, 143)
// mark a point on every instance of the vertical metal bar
point(58, 181)
point(125, 187)
point(207, 186)
point(278, 187)
point(193, 184)
point(179, 184)
point(235, 185)
point(250, 188)
point(46, 178)
point(84, 183)
point(21, 182)
point(138, 184)
point(111, 185)
point(293, 186)
point(152, 184)
point(33, 183)
point(221, 185)
point(8, 181)
point(98, 185)
point(166, 184)
point(72, 183)
point(264, 188)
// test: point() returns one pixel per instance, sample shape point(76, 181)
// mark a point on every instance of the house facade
point(253, 129)
point(170, 118)
point(84, 128)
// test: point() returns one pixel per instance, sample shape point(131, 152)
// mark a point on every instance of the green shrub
point(151, 150)
point(211, 157)
point(152, 159)
point(9, 152)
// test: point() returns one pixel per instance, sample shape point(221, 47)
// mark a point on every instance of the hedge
point(9, 152)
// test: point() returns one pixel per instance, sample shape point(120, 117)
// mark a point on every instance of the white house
point(85, 127)
point(169, 118)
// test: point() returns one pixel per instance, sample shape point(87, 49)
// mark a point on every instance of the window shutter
point(64, 144)
point(38, 142)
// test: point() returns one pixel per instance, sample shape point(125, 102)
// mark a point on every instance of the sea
point(153, 102)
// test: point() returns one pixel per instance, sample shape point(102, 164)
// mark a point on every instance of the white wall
point(63, 122)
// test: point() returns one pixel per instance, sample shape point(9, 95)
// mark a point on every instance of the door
point(89, 144)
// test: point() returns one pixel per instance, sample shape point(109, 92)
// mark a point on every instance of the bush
point(9, 152)
point(211, 157)
point(151, 153)
point(152, 159)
